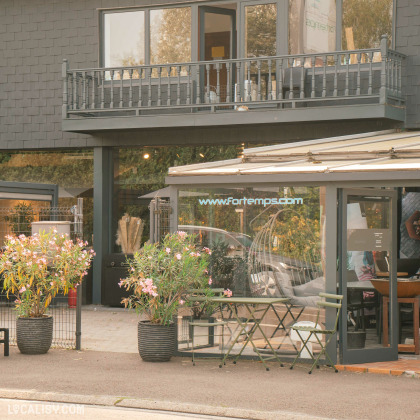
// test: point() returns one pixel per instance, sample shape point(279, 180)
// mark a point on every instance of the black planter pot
point(156, 342)
point(34, 335)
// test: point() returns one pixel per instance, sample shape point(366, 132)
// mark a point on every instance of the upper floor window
point(364, 22)
point(312, 26)
point(124, 35)
point(124, 40)
point(170, 35)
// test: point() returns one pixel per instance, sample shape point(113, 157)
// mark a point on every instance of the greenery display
point(36, 268)
point(161, 274)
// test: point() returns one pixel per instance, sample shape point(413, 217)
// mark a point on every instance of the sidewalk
point(115, 330)
point(245, 390)
point(111, 373)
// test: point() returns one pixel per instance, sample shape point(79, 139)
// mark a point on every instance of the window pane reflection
point(170, 35)
point(260, 31)
point(312, 26)
point(124, 39)
point(265, 241)
point(364, 22)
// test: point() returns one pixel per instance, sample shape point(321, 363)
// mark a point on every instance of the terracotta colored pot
point(405, 288)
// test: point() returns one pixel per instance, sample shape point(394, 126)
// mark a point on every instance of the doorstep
point(402, 366)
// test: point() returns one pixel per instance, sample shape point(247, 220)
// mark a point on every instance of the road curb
point(148, 404)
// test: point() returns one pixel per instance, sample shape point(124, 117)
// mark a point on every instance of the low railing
point(342, 77)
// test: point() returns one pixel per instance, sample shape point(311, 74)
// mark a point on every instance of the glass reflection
point(124, 39)
point(170, 35)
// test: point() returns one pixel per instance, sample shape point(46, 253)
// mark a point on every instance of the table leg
point(416, 324)
point(385, 301)
point(252, 332)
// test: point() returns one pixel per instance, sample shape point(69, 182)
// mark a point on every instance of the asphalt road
point(243, 390)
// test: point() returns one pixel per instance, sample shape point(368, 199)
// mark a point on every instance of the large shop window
point(364, 22)
point(265, 241)
point(124, 37)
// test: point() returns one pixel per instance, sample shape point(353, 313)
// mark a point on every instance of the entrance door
point(368, 276)
point(217, 42)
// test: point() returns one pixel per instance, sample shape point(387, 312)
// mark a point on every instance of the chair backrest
point(325, 304)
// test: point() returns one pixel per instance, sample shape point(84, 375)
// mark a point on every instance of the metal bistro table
point(253, 306)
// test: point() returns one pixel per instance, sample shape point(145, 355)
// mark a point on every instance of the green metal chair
point(199, 296)
point(316, 332)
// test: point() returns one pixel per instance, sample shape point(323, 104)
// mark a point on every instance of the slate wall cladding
point(408, 42)
point(35, 36)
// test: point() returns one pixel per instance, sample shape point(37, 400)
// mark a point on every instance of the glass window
point(260, 30)
point(170, 35)
point(71, 171)
point(124, 39)
point(265, 241)
point(140, 196)
point(364, 22)
point(312, 26)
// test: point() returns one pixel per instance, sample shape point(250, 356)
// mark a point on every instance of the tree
point(369, 20)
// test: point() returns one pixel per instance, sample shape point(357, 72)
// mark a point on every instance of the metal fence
point(67, 315)
point(160, 212)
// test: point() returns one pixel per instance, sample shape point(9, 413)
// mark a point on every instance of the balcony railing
point(304, 80)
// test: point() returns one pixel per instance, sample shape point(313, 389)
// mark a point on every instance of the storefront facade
point(106, 125)
point(334, 215)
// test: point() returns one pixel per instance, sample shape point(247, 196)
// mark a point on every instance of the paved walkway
point(115, 330)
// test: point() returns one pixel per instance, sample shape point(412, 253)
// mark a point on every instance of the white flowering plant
point(36, 268)
point(162, 274)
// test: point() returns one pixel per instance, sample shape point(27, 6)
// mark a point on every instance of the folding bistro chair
point(313, 331)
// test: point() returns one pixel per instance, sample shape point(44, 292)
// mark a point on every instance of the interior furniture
point(403, 348)
point(303, 331)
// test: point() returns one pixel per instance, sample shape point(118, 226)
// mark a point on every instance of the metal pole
point(79, 318)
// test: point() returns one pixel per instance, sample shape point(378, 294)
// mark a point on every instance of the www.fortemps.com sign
point(248, 201)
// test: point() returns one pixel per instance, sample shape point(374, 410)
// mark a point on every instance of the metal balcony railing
point(303, 80)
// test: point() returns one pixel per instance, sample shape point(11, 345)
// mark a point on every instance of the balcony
point(341, 85)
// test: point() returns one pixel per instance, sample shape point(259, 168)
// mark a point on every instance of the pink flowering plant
point(36, 268)
point(162, 274)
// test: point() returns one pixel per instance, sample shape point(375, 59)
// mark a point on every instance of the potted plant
point(36, 268)
point(160, 277)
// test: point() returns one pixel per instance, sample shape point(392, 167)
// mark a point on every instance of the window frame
point(282, 27)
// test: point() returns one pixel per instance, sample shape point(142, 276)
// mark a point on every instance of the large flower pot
point(34, 335)
point(156, 342)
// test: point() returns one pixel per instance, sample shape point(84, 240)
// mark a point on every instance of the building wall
point(408, 42)
point(35, 36)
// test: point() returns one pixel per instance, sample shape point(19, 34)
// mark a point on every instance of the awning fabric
point(368, 152)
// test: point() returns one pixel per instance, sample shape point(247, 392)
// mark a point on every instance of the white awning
point(369, 152)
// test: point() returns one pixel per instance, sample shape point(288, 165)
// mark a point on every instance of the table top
point(360, 285)
point(250, 300)
point(386, 274)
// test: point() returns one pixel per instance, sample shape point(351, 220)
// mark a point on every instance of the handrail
point(356, 76)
